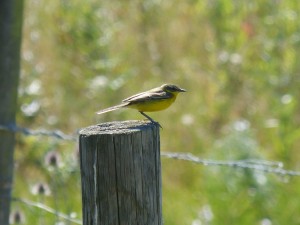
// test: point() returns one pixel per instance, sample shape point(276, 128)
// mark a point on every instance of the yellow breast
point(153, 105)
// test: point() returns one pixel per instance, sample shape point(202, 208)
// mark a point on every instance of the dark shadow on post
point(121, 174)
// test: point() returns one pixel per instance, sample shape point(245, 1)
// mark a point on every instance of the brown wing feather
point(146, 96)
point(154, 90)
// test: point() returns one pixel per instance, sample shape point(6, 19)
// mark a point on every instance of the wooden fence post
point(121, 174)
point(11, 18)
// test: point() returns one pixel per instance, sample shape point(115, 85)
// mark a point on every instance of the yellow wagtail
point(153, 100)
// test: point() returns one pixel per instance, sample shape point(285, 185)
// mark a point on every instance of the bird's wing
point(154, 94)
point(155, 90)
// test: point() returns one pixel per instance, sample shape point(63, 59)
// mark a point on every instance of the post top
point(117, 127)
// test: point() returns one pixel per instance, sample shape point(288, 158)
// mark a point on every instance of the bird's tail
point(112, 108)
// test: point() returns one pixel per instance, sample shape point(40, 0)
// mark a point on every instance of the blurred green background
point(239, 61)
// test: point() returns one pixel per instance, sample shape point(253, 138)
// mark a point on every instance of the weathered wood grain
point(121, 174)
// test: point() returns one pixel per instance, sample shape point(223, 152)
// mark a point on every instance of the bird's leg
point(149, 118)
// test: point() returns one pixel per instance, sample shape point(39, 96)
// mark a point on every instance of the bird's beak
point(182, 90)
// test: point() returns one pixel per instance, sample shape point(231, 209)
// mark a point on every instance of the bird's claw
point(152, 121)
point(156, 123)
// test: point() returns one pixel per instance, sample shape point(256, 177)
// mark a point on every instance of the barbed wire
point(264, 166)
point(254, 164)
point(39, 132)
point(47, 209)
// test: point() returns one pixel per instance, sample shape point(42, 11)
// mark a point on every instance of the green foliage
point(237, 59)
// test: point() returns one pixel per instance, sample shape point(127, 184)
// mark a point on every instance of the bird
point(156, 99)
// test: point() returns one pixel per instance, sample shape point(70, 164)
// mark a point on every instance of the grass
point(237, 59)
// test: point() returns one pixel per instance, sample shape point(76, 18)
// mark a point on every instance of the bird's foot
point(156, 123)
point(152, 121)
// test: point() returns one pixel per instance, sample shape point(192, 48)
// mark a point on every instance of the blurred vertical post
point(11, 12)
point(121, 174)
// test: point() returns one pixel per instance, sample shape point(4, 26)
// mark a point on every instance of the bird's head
point(171, 88)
